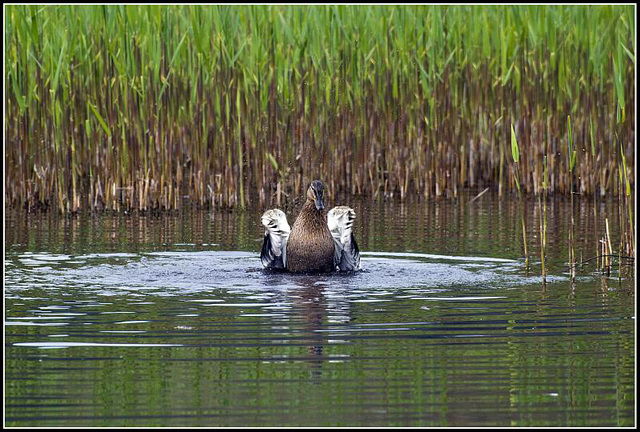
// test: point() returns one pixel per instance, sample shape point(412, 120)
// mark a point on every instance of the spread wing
point(276, 236)
point(347, 255)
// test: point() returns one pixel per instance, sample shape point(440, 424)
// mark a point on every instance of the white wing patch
point(340, 221)
point(276, 236)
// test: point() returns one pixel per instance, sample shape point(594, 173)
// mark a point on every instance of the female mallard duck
point(315, 243)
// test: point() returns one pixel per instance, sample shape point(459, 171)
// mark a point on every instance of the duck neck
point(311, 216)
point(310, 208)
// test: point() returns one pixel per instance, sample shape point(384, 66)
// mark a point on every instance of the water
point(170, 321)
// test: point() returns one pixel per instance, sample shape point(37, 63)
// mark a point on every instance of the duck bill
point(319, 203)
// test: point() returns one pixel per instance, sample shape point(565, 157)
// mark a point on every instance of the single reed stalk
point(594, 168)
point(571, 161)
point(610, 249)
point(542, 204)
point(515, 153)
point(630, 239)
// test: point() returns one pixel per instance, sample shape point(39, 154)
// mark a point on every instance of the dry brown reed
point(151, 107)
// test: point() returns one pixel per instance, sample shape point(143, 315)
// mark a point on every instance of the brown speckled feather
point(310, 247)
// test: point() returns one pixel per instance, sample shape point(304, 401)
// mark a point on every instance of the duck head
point(315, 193)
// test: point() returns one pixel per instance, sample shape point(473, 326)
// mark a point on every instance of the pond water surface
point(169, 320)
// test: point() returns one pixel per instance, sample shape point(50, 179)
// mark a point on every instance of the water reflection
point(310, 302)
point(171, 321)
point(486, 227)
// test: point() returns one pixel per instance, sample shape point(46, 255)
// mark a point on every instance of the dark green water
point(170, 321)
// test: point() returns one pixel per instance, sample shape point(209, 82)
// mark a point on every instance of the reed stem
point(138, 106)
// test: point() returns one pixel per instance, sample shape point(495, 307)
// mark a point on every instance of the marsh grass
point(150, 107)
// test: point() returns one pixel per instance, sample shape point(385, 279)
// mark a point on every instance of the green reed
point(542, 205)
point(628, 238)
point(139, 107)
point(571, 162)
point(515, 153)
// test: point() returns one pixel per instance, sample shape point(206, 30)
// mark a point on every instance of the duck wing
point(340, 221)
point(276, 236)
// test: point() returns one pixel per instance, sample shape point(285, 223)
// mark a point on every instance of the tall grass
point(140, 107)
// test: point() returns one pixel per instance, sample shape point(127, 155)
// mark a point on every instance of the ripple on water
point(180, 272)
